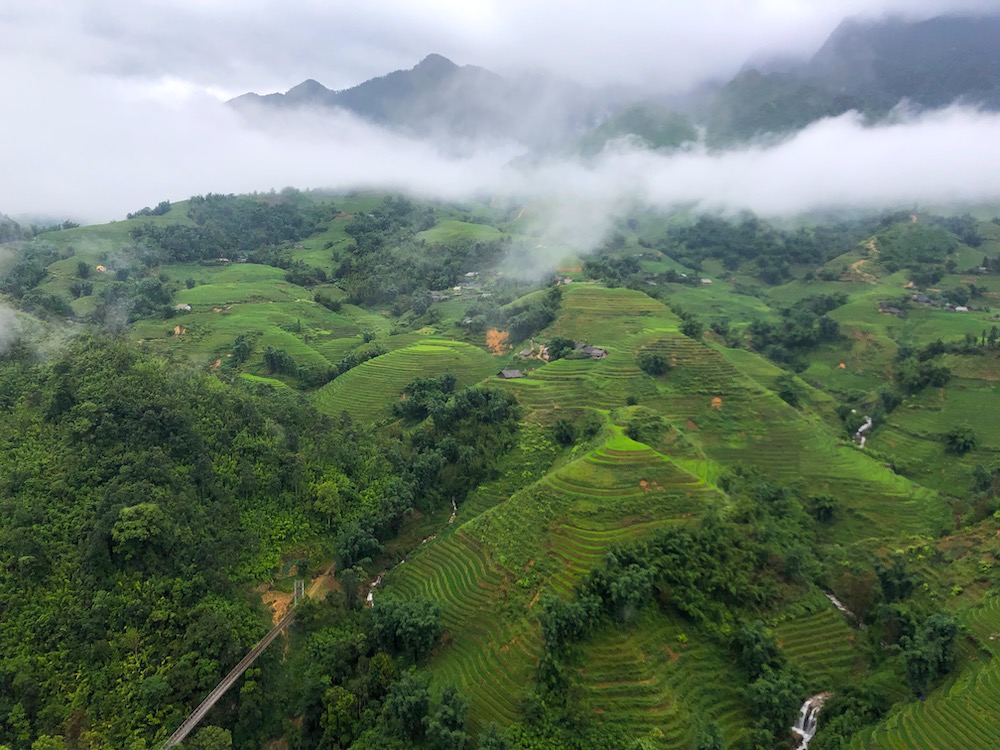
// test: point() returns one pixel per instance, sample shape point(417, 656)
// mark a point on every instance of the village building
point(595, 352)
point(510, 374)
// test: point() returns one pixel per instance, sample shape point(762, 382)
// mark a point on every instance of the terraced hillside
point(367, 392)
point(545, 537)
point(605, 317)
point(822, 646)
point(914, 434)
point(244, 299)
point(562, 524)
point(487, 654)
point(963, 713)
point(621, 492)
point(643, 679)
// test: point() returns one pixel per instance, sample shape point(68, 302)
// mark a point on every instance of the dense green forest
point(657, 498)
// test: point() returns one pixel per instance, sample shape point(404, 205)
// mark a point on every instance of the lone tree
point(653, 364)
point(961, 439)
point(788, 390)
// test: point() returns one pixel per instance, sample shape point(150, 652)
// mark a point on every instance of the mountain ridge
point(870, 66)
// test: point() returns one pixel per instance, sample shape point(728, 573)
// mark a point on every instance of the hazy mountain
point(932, 63)
point(439, 98)
point(648, 124)
point(869, 66)
point(755, 103)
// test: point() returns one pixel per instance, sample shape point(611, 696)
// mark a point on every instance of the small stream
point(805, 727)
point(370, 598)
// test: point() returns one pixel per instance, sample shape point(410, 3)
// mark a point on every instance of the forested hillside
point(658, 497)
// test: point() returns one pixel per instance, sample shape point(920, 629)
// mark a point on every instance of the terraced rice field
point(367, 392)
point(616, 495)
point(639, 679)
point(300, 327)
point(566, 384)
point(489, 659)
point(983, 624)
point(604, 317)
point(698, 368)
point(563, 384)
point(976, 407)
point(800, 451)
point(565, 522)
point(453, 230)
point(822, 646)
point(962, 714)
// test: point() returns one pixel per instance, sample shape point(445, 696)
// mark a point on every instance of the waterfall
point(371, 591)
point(805, 727)
point(860, 436)
point(843, 608)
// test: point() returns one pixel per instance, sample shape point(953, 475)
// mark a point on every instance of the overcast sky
point(233, 46)
point(113, 104)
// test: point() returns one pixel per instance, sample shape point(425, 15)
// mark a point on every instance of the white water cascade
point(860, 436)
point(805, 727)
point(844, 610)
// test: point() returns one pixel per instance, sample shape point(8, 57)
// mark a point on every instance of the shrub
point(961, 439)
point(653, 364)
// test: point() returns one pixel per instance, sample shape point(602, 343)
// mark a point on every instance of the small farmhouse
point(595, 352)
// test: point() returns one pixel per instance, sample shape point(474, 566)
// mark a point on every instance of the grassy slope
point(367, 391)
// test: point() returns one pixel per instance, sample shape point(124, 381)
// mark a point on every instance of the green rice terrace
point(680, 494)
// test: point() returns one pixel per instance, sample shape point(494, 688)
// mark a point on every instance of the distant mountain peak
point(436, 62)
point(306, 91)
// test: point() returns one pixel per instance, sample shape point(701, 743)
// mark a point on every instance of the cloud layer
point(266, 45)
point(111, 106)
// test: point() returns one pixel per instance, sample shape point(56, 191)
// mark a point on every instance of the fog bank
point(105, 147)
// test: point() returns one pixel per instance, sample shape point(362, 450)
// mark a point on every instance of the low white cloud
point(96, 148)
point(947, 156)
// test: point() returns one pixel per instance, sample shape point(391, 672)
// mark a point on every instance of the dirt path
point(871, 247)
point(326, 577)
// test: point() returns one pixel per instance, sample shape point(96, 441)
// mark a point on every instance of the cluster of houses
point(888, 307)
point(470, 284)
point(542, 353)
